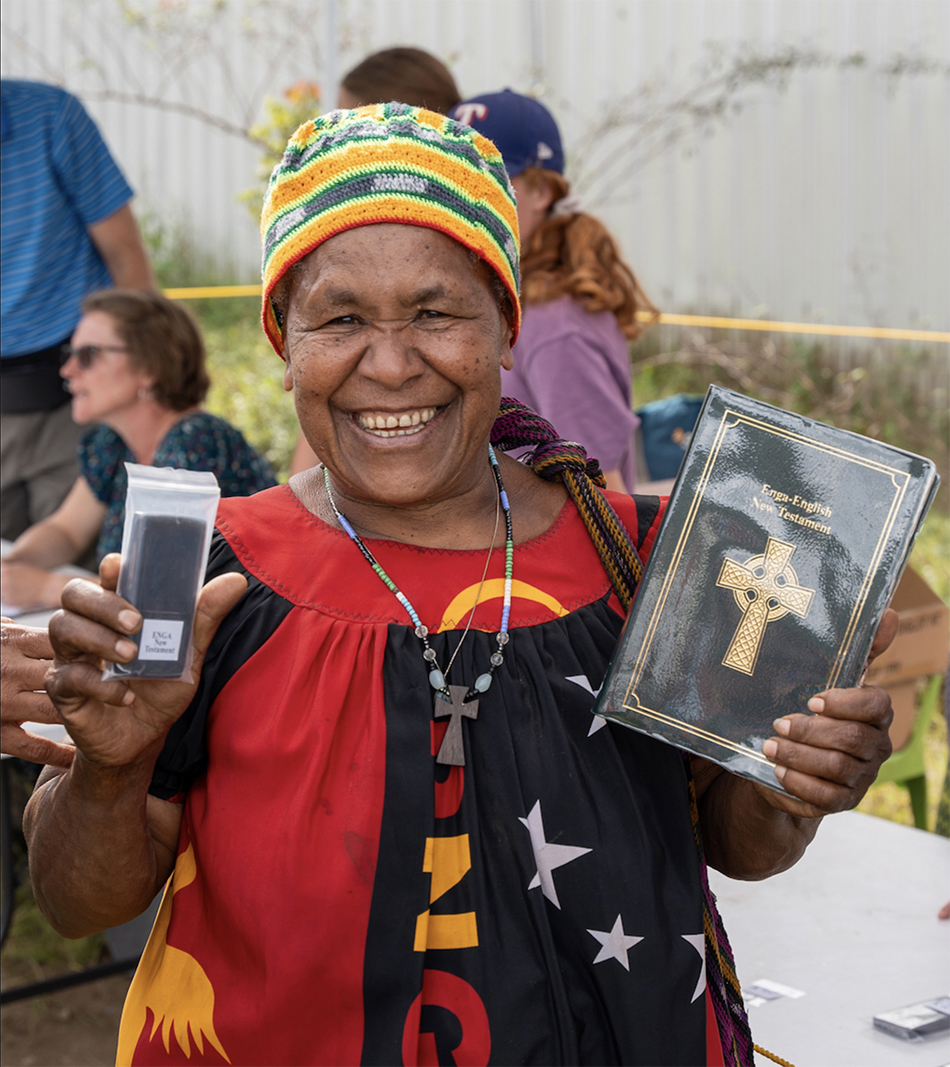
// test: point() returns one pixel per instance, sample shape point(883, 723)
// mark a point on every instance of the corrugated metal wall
point(826, 200)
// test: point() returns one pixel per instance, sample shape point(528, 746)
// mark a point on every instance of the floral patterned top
point(199, 442)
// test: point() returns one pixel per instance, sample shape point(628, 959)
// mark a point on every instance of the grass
point(247, 375)
point(879, 399)
point(889, 392)
point(33, 950)
point(882, 398)
point(891, 801)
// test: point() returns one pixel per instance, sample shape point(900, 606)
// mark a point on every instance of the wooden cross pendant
point(452, 749)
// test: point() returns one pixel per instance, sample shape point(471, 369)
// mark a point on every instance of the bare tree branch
point(159, 104)
point(183, 42)
point(647, 123)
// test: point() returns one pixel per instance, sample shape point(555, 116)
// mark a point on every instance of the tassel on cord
point(518, 427)
point(771, 1056)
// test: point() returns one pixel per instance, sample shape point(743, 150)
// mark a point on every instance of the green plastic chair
point(907, 766)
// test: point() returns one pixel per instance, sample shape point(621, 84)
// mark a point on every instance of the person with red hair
point(582, 303)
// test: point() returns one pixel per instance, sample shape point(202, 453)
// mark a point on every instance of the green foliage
point(246, 379)
point(245, 372)
point(34, 949)
point(175, 257)
point(892, 801)
point(300, 102)
point(931, 554)
point(896, 394)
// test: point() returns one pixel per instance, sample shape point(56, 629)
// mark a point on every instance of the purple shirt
point(573, 367)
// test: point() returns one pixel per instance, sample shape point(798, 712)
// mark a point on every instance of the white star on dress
point(548, 856)
point(614, 945)
point(599, 722)
point(698, 941)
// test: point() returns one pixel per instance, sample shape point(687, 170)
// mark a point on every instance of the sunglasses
point(86, 354)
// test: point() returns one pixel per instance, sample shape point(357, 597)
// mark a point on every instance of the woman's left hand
point(827, 760)
point(25, 657)
point(24, 586)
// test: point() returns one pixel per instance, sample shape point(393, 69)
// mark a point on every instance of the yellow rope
point(771, 1055)
point(210, 292)
point(798, 327)
point(206, 292)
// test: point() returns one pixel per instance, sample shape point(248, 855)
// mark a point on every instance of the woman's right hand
point(114, 723)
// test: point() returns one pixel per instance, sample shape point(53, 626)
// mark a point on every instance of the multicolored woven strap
point(387, 163)
point(518, 427)
point(721, 979)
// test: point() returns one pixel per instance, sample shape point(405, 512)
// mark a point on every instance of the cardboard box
point(904, 702)
point(922, 644)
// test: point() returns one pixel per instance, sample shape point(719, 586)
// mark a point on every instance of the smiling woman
point(394, 346)
point(391, 761)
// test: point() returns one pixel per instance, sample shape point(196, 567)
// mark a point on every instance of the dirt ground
point(75, 1027)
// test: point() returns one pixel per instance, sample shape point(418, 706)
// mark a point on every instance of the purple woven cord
point(518, 427)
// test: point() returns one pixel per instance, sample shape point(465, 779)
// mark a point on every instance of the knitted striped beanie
point(387, 163)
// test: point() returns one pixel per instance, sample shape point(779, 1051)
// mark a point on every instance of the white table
point(853, 925)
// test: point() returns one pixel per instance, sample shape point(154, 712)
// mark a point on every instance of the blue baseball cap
point(523, 130)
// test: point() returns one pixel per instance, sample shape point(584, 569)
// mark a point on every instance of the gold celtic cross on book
point(766, 589)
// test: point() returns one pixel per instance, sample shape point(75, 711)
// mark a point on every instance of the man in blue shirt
point(66, 229)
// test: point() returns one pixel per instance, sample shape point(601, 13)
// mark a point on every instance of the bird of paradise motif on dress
point(171, 983)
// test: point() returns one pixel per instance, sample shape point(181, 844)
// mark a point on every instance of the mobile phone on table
point(916, 1021)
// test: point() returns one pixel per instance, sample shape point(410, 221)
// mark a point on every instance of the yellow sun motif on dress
point(170, 982)
point(494, 589)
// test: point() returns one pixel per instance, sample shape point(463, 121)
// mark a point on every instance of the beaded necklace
point(461, 703)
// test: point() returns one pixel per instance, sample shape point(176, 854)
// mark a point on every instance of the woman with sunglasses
point(135, 369)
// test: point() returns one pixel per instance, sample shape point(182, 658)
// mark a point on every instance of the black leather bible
point(781, 547)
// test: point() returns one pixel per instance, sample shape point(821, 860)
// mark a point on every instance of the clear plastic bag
point(169, 519)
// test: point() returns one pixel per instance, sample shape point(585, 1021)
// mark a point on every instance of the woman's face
point(110, 385)
point(394, 345)
point(533, 201)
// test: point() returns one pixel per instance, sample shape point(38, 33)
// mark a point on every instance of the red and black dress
point(341, 898)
